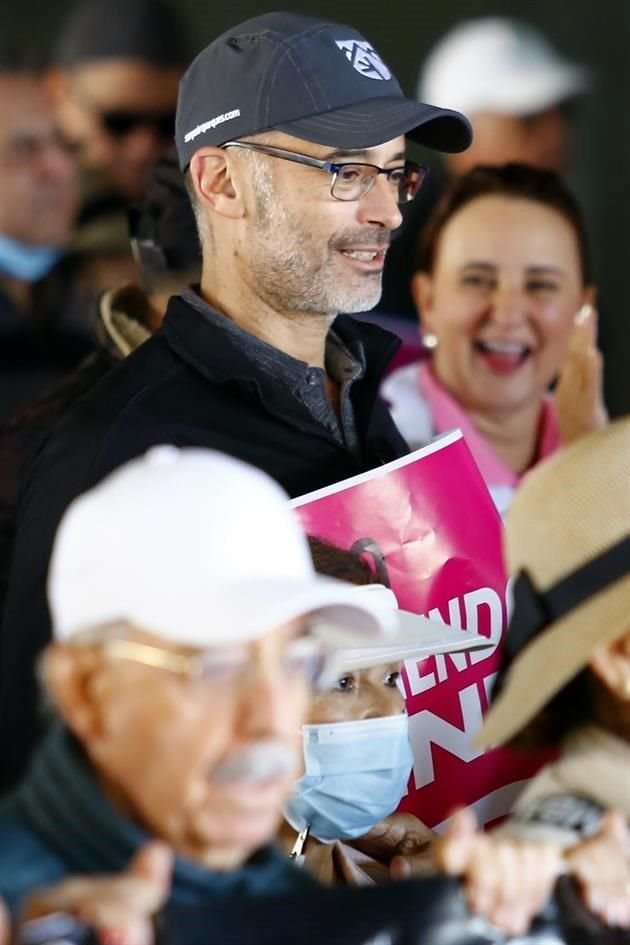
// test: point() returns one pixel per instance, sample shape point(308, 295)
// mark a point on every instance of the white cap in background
point(195, 547)
point(496, 64)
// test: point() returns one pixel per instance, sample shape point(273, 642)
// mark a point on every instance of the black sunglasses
point(120, 124)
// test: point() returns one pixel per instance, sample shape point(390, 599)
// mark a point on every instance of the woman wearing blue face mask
point(357, 756)
point(357, 761)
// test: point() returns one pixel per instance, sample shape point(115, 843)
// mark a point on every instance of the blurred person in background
point(255, 361)
point(114, 74)
point(519, 93)
point(39, 338)
point(504, 294)
point(565, 678)
point(513, 85)
point(166, 246)
point(181, 669)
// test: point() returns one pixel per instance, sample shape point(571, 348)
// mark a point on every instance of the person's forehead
point(25, 107)
point(280, 633)
point(127, 83)
point(511, 233)
point(380, 671)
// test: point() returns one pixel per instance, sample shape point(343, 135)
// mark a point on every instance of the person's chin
point(361, 301)
point(242, 830)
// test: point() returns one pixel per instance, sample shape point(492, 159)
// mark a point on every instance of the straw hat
point(568, 529)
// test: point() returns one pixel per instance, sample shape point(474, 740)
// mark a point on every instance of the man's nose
point(379, 206)
point(143, 143)
point(268, 705)
point(381, 702)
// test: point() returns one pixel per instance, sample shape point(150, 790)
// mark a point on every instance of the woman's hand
point(579, 393)
point(120, 908)
point(507, 880)
point(601, 866)
point(404, 842)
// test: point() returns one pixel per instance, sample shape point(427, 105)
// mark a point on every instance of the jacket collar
point(213, 349)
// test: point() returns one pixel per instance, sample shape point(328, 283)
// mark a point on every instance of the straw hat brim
point(552, 659)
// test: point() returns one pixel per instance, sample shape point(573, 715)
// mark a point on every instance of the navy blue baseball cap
point(310, 78)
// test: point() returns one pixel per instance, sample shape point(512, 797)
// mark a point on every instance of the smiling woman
point(504, 273)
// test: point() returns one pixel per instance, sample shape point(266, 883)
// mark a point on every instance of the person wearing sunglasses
point(294, 227)
point(114, 76)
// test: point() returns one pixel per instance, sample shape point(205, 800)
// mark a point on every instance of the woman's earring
point(429, 340)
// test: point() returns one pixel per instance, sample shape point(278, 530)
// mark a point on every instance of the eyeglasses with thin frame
point(304, 658)
point(351, 180)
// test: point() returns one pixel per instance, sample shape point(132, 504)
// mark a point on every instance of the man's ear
point(611, 665)
point(590, 295)
point(211, 172)
point(67, 673)
point(422, 292)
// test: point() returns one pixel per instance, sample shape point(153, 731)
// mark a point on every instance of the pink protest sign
point(432, 532)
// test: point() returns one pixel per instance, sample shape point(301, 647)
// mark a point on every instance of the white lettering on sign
point(426, 674)
point(473, 602)
point(427, 729)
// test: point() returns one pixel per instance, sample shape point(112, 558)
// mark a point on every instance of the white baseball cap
point(195, 547)
point(497, 64)
point(414, 637)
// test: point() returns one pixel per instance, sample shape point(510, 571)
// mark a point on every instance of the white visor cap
point(195, 547)
point(414, 637)
point(496, 64)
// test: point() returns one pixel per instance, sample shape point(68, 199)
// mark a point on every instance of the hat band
point(534, 610)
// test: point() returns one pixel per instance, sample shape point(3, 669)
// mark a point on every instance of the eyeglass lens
point(354, 180)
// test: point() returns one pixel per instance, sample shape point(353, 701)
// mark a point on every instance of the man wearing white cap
point(184, 603)
point(512, 84)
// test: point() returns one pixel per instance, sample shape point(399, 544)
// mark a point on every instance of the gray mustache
point(261, 761)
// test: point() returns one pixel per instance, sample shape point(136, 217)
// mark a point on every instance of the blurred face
point(542, 140)
point(611, 666)
point(362, 694)
point(122, 114)
point(304, 251)
point(501, 301)
point(205, 763)
point(37, 172)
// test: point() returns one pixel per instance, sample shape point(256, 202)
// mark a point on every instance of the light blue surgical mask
point(355, 774)
point(28, 263)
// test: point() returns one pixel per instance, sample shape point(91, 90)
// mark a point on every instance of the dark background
point(595, 32)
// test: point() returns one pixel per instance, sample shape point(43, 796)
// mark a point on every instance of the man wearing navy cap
point(291, 131)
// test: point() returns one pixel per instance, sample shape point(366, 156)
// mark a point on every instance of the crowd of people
point(201, 704)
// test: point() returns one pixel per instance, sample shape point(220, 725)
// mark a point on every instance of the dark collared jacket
point(189, 385)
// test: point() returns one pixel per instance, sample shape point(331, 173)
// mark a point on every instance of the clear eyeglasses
point(304, 658)
point(351, 181)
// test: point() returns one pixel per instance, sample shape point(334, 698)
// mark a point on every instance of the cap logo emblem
point(364, 59)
